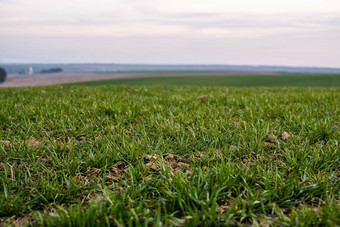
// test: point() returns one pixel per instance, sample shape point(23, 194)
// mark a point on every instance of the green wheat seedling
point(167, 155)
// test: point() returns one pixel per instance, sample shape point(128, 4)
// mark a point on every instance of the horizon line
point(163, 64)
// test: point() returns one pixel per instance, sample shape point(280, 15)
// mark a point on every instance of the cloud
point(186, 24)
point(216, 31)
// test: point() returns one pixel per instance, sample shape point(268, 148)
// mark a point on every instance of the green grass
point(298, 80)
point(115, 155)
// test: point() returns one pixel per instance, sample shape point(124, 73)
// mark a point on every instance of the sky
point(242, 32)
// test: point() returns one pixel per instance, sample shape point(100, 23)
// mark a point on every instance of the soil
point(20, 80)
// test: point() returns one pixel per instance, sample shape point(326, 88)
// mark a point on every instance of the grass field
point(170, 155)
point(298, 80)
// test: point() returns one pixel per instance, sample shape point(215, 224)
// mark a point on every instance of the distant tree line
point(52, 70)
point(3, 75)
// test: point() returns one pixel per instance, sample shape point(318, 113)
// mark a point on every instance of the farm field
point(274, 80)
point(171, 155)
point(200, 78)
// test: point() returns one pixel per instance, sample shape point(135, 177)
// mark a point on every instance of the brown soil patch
point(268, 145)
point(285, 135)
point(114, 174)
point(18, 80)
point(33, 142)
point(201, 97)
point(175, 163)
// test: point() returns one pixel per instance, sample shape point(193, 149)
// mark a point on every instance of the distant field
point(171, 155)
point(299, 80)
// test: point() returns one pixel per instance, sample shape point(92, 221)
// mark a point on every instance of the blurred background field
point(303, 80)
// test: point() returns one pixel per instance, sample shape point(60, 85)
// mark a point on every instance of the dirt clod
point(182, 164)
point(223, 208)
point(33, 142)
point(2, 166)
point(112, 178)
point(285, 135)
point(169, 157)
point(117, 171)
point(152, 157)
point(201, 97)
point(4, 144)
point(175, 163)
point(272, 138)
point(151, 166)
point(269, 145)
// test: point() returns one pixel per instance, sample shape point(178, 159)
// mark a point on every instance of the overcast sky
point(255, 32)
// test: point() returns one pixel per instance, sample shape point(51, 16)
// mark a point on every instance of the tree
point(3, 75)
point(52, 70)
